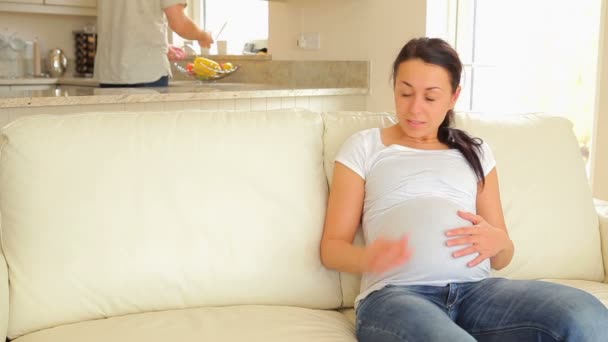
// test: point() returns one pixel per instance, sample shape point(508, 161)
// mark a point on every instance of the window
point(524, 56)
point(245, 21)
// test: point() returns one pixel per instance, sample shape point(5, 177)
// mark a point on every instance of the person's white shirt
point(418, 193)
point(132, 41)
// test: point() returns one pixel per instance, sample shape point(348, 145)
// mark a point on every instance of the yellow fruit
point(203, 71)
point(205, 68)
point(207, 62)
point(227, 66)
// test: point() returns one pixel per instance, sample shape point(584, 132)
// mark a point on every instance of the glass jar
point(12, 50)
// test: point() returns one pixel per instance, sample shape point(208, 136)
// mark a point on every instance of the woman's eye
point(430, 100)
point(406, 95)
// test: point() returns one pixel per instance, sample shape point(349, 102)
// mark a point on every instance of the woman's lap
point(493, 309)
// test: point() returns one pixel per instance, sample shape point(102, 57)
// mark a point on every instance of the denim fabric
point(494, 309)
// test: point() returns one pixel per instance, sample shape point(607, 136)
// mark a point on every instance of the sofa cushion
point(236, 323)
point(545, 195)
point(118, 213)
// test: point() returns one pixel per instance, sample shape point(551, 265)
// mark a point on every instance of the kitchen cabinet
point(24, 1)
point(63, 7)
point(77, 3)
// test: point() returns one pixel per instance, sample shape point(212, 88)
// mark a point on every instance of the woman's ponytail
point(468, 146)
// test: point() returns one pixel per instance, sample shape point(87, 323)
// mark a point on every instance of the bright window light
point(246, 22)
point(524, 56)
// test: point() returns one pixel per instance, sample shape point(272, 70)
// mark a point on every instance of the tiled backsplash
point(301, 74)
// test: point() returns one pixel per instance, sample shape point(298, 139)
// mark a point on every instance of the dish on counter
point(204, 69)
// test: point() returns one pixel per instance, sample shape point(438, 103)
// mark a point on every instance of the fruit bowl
point(204, 69)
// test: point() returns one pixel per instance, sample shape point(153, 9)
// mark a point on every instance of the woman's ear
point(455, 97)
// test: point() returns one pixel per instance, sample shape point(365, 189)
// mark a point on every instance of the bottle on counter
point(28, 59)
point(37, 64)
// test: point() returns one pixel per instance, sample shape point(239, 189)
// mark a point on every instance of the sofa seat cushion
point(600, 290)
point(231, 323)
point(350, 314)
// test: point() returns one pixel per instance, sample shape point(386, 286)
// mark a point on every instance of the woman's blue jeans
point(494, 309)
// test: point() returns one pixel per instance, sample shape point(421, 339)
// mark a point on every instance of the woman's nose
point(416, 105)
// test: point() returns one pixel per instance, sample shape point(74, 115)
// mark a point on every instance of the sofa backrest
point(547, 202)
point(107, 214)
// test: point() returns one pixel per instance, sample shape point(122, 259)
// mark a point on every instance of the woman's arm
point(490, 208)
point(344, 210)
point(488, 237)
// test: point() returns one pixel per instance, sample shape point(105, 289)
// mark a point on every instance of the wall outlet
point(309, 40)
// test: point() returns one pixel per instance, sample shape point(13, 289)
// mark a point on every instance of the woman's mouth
point(415, 123)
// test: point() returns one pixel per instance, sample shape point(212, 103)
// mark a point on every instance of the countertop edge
point(20, 102)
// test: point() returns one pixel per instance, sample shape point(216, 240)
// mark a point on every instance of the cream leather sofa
point(205, 226)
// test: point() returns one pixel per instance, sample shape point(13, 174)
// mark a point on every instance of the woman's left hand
point(482, 238)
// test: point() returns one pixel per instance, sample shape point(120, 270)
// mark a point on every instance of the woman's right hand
point(383, 255)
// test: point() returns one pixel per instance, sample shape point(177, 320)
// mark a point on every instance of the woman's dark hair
point(436, 51)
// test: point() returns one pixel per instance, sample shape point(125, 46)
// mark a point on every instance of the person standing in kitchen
point(132, 41)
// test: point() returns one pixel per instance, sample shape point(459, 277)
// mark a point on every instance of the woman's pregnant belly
point(425, 221)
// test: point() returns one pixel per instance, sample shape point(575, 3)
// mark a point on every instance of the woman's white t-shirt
point(418, 193)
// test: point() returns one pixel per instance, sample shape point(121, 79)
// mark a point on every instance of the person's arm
point(488, 237)
point(342, 218)
point(185, 27)
point(490, 208)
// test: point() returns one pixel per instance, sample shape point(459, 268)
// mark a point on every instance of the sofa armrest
point(602, 211)
point(3, 297)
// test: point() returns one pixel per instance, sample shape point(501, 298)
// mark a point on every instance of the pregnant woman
point(428, 198)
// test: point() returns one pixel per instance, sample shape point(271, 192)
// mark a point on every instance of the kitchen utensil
point(221, 30)
point(56, 62)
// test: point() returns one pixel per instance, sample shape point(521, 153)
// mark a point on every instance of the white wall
point(52, 30)
point(599, 153)
point(373, 30)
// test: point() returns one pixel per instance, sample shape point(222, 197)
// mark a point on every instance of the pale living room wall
point(373, 30)
point(599, 152)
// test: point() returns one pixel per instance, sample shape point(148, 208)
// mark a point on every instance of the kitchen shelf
point(27, 81)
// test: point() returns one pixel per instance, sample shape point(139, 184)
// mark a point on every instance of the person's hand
point(481, 238)
point(383, 255)
point(205, 40)
point(175, 53)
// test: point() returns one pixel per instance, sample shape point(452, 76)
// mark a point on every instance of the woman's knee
point(581, 316)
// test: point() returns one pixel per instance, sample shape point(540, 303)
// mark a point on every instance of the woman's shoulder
point(485, 146)
point(368, 136)
point(366, 133)
point(364, 142)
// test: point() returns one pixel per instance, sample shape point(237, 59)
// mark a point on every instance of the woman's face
point(423, 96)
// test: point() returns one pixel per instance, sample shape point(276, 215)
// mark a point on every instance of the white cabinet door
point(64, 7)
point(24, 1)
point(75, 3)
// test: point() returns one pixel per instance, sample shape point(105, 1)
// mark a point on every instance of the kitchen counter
point(80, 81)
point(63, 95)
